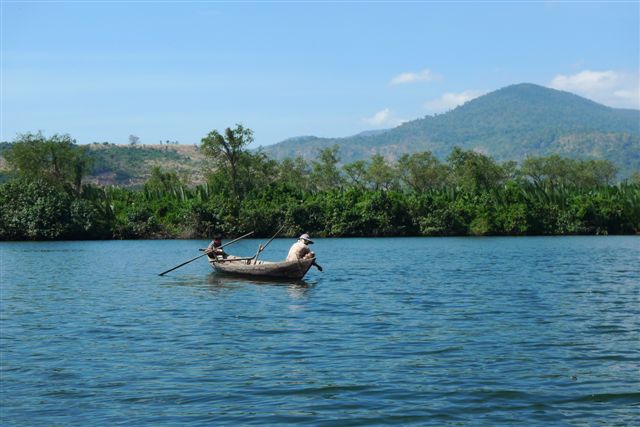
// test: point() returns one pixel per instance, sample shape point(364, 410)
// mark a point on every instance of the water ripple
point(495, 331)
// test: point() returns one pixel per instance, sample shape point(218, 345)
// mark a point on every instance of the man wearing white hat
point(300, 249)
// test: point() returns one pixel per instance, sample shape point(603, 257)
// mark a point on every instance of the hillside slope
point(509, 124)
point(130, 165)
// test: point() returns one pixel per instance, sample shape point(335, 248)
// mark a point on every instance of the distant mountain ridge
point(508, 124)
point(511, 123)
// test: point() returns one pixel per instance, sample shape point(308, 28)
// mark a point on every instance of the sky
point(101, 71)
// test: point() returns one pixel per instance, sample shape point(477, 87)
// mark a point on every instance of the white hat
point(305, 236)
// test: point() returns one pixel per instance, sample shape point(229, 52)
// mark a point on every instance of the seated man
point(300, 249)
point(214, 250)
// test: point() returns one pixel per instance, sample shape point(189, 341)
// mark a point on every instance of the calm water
point(486, 331)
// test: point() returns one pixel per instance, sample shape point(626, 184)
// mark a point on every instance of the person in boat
point(300, 249)
point(214, 250)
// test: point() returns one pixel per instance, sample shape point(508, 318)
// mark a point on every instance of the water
point(456, 331)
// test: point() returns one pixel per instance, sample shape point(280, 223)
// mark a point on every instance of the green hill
point(509, 124)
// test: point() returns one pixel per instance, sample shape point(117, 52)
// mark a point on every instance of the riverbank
point(38, 211)
point(417, 195)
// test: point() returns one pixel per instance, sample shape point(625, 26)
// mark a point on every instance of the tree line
point(417, 195)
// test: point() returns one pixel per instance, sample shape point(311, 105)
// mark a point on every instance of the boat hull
point(276, 270)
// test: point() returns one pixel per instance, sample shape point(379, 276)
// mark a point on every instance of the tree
point(556, 170)
point(422, 171)
point(474, 171)
point(57, 159)
point(552, 169)
point(356, 173)
point(133, 140)
point(256, 171)
point(591, 173)
point(294, 173)
point(325, 173)
point(379, 174)
point(228, 151)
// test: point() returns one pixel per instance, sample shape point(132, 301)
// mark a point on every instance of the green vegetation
point(512, 123)
point(129, 165)
point(508, 124)
point(47, 197)
point(56, 160)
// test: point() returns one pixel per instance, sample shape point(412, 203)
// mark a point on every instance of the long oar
point(200, 256)
point(262, 248)
point(184, 263)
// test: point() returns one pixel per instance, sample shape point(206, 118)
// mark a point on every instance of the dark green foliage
point(325, 174)
point(380, 175)
point(38, 210)
point(228, 152)
point(34, 210)
point(475, 172)
point(510, 210)
point(57, 160)
point(471, 194)
point(442, 213)
point(422, 172)
point(161, 181)
point(294, 174)
point(557, 170)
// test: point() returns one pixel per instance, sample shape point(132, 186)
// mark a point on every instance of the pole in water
point(200, 256)
point(184, 263)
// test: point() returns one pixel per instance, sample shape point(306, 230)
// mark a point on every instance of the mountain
point(509, 124)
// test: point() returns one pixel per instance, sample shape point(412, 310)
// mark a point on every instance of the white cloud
point(451, 100)
point(410, 77)
point(585, 81)
point(613, 88)
point(384, 118)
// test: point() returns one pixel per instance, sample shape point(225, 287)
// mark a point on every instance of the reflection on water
point(219, 283)
point(217, 278)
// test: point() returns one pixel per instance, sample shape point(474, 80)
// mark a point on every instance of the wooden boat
point(249, 267)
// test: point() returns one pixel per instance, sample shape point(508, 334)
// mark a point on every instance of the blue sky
point(102, 71)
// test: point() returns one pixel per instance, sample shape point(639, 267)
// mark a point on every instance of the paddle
point(316, 265)
point(200, 256)
point(262, 248)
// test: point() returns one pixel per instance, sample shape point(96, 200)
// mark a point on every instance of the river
point(426, 331)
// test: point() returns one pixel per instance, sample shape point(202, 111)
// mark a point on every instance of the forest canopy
point(47, 198)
